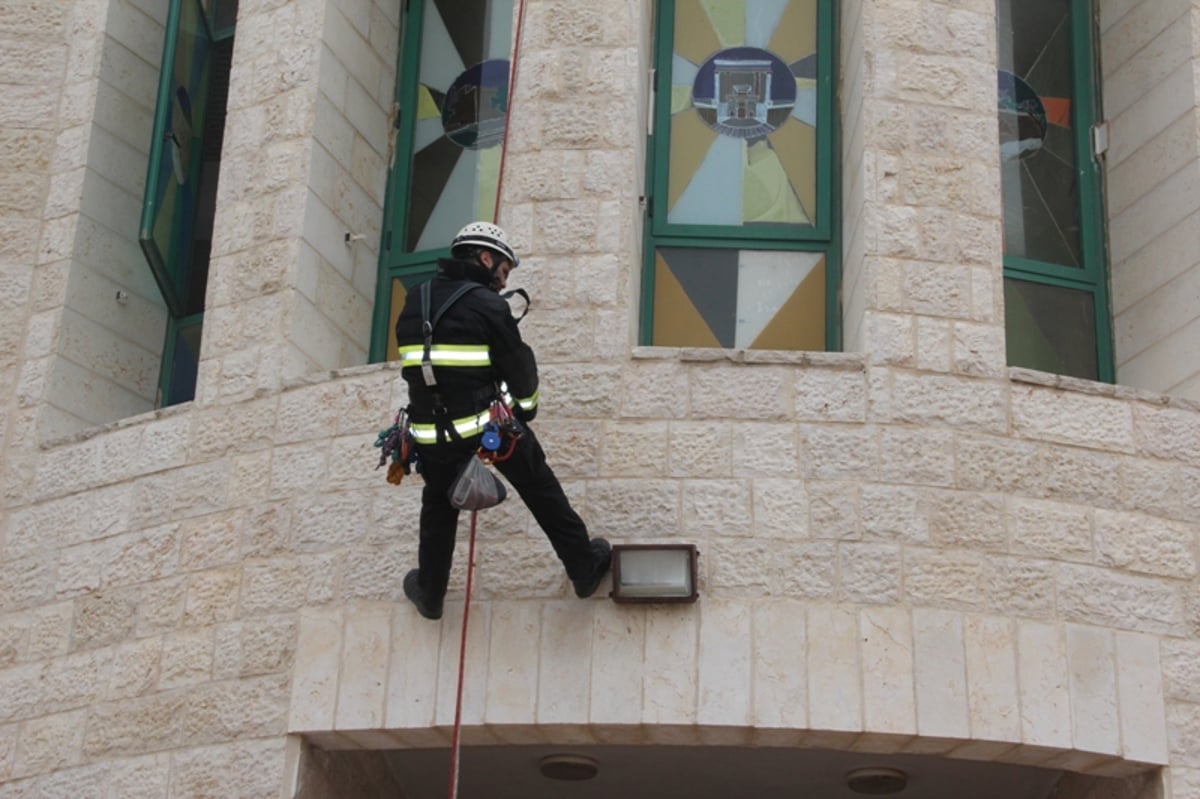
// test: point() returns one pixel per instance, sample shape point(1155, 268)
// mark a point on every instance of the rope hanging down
point(456, 739)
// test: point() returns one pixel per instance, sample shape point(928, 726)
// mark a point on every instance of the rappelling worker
point(456, 352)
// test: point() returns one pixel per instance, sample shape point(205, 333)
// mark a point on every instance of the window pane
point(745, 299)
point(743, 113)
point(1037, 144)
point(462, 98)
point(1050, 328)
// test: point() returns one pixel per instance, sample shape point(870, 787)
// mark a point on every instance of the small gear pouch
point(476, 488)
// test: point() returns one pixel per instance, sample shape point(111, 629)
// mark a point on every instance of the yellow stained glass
point(743, 69)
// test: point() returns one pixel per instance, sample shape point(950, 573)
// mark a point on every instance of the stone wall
point(1150, 96)
point(184, 588)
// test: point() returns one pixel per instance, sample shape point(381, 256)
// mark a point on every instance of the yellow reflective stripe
point(529, 403)
point(447, 355)
point(466, 426)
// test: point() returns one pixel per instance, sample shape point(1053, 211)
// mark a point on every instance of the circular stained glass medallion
point(1023, 119)
point(744, 92)
point(475, 106)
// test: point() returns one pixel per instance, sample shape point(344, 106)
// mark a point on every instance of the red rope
point(512, 88)
point(455, 743)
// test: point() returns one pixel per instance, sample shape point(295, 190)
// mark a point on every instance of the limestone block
point(413, 669)
point(135, 726)
point(563, 691)
point(1078, 475)
point(935, 400)
point(580, 391)
point(805, 571)
point(617, 635)
point(765, 450)
point(887, 670)
point(893, 514)
point(940, 675)
point(870, 573)
point(1019, 586)
point(105, 617)
point(315, 672)
point(1183, 732)
point(924, 457)
point(780, 508)
point(740, 392)
point(633, 508)
point(137, 557)
point(1051, 529)
point(208, 542)
point(991, 674)
point(835, 694)
point(1181, 669)
point(362, 677)
point(513, 674)
point(1043, 676)
point(830, 395)
point(212, 596)
point(965, 519)
point(254, 646)
point(141, 777)
point(49, 743)
point(1070, 418)
point(1093, 686)
point(266, 528)
point(374, 573)
point(1099, 596)
point(636, 449)
point(186, 492)
point(1153, 486)
point(71, 520)
point(162, 606)
point(1144, 736)
point(79, 570)
point(474, 693)
point(834, 510)
point(717, 507)
point(700, 449)
point(187, 659)
point(1165, 432)
point(654, 390)
point(835, 452)
point(741, 565)
point(8, 750)
point(671, 667)
point(249, 769)
point(1142, 543)
point(298, 467)
point(20, 691)
point(725, 664)
point(287, 583)
point(327, 521)
point(135, 668)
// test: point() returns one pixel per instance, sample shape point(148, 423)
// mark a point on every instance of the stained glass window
point(452, 90)
point(1056, 315)
point(740, 248)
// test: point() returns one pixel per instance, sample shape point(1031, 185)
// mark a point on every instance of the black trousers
point(527, 471)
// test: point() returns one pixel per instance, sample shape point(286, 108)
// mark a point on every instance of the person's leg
point(439, 523)
point(526, 469)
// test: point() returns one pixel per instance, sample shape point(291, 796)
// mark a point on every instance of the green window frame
point(742, 240)
point(1057, 316)
point(175, 228)
point(450, 117)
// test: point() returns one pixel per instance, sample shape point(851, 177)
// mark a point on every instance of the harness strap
point(428, 325)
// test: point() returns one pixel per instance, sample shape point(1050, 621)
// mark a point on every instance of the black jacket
point(478, 317)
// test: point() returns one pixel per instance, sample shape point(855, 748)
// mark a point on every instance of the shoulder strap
point(427, 325)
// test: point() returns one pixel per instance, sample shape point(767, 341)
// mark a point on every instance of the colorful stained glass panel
point(1039, 174)
point(744, 299)
point(462, 102)
point(743, 113)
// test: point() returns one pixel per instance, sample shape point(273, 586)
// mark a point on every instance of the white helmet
point(487, 235)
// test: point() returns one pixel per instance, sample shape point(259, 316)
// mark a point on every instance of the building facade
point(889, 306)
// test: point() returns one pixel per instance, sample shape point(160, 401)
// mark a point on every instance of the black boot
point(425, 606)
point(601, 558)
